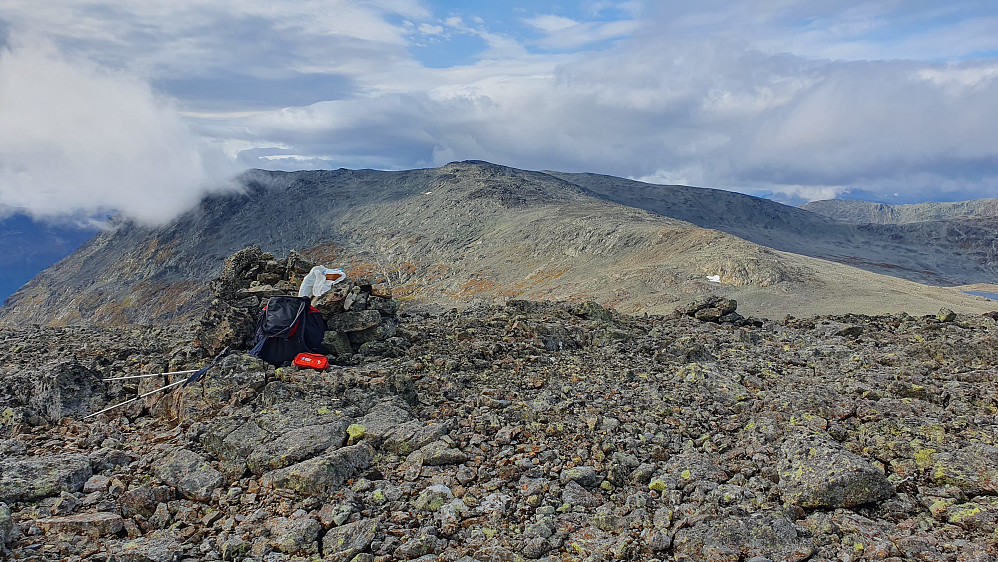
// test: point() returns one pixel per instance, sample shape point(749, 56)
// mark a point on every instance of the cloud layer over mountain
point(883, 100)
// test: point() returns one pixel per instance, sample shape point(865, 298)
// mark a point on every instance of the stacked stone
point(360, 314)
point(712, 308)
point(360, 317)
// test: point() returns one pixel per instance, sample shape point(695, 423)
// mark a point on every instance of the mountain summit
point(478, 231)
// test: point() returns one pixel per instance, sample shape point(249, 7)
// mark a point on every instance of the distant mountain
point(28, 246)
point(863, 212)
point(473, 230)
point(958, 251)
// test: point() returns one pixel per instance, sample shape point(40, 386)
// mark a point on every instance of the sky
point(144, 107)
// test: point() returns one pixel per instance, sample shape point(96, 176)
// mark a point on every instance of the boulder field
point(548, 431)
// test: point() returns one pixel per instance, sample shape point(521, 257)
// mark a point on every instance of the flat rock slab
point(346, 541)
point(90, 524)
point(772, 536)
point(34, 478)
point(322, 474)
point(296, 445)
point(817, 473)
point(190, 474)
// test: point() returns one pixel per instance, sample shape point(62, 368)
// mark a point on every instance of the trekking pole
point(151, 375)
point(109, 408)
point(198, 373)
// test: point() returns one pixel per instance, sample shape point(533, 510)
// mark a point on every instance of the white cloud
point(428, 29)
point(79, 139)
point(801, 98)
point(550, 23)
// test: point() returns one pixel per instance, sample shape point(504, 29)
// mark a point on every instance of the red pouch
point(311, 360)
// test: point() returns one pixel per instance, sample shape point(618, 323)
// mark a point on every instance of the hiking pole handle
point(109, 408)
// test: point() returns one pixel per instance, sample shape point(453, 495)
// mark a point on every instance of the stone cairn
point(360, 314)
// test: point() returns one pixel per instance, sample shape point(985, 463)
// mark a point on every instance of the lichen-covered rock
point(33, 478)
point(816, 473)
point(981, 514)
point(295, 536)
point(691, 467)
point(407, 437)
point(158, 546)
point(586, 476)
point(342, 543)
point(574, 494)
point(295, 446)
point(440, 453)
point(710, 308)
point(143, 500)
point(6, 525)
point(974, 468)
point(354, 321)
point(322, 474)
point(734, 538)
point(90, 524)
point(189, 473)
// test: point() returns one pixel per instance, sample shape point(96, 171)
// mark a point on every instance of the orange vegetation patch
point(485, 287)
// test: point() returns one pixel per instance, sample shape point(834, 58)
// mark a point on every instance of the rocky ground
point(537, 431)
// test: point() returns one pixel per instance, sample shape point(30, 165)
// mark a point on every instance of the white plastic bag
point(315, 283)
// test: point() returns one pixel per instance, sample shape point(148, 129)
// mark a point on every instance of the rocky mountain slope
point(476, 231)
point(530, 430)
point(864, 212)
point(934, 243)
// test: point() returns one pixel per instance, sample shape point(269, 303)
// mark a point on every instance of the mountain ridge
point(865, 212)
point(469, 231)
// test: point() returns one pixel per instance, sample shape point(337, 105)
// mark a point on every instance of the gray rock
point(383, 419)
point(337, 343)
point(353, 321)
point(65, 505)
point(981, 514)
point(190, 474)
point(295, 536)
point(439, 453)
point(96, 483)
point(6, 525)
point(143, 500)
point(742, 537)
point(433, 498)
point(103, 460)
point(91, 524)
point(295, 446)
point(233, 437)
point(586, 476)
point(158, 546)
point(346, 541)
point(840, 329)
point(945, 315)
point(815, 472)
point(410, 436)
point(575, 495)
point(322, 474)
point(386, 329)
point(974, 469)
point(687, 468)
point(35, 478)
point(160, 519)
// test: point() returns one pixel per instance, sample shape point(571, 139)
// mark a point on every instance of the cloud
point(805, 98)
point(80, 139)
